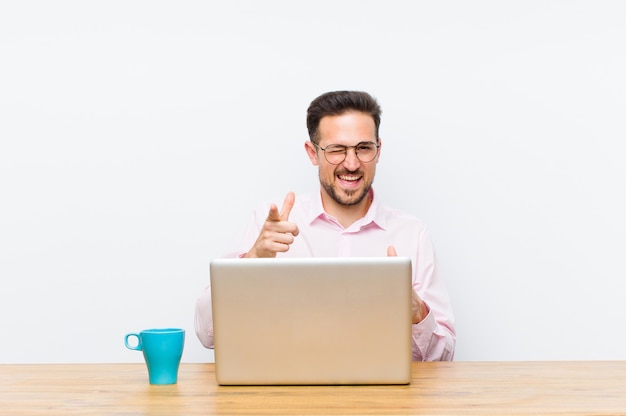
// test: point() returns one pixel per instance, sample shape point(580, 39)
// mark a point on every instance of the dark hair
point(339, 102)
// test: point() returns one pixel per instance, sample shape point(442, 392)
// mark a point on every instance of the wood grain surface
point(468, 388)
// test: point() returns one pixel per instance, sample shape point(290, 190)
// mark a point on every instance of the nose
point(351, 162)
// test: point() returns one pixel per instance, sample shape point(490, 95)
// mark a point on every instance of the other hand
point(418, 307)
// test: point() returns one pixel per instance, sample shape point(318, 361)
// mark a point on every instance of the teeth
point(348, 178)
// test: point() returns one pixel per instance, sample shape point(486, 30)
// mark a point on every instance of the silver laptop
point(312, 320)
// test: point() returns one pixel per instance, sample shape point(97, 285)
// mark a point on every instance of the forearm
point(432, 341)
point(204, 319)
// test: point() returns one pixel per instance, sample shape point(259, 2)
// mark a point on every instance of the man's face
point(349, 182)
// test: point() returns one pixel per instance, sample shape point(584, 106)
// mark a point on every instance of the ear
point(380, 143)
point(311, 152)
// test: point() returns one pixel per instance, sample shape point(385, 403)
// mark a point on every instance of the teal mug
point(162, 350)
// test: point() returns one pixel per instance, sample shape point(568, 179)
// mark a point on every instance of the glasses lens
point(366, 152)
point(335, 153)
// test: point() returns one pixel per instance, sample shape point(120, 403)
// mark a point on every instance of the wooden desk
point(546, 388)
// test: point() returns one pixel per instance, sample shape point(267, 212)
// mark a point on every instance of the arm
point(434, 337)
point(204, 318)
point(276, 235)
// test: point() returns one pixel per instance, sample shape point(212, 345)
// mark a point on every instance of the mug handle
point(137, 347)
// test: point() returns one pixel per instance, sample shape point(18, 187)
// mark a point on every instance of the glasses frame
point(345, 151)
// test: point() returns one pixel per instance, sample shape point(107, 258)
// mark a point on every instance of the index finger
point(290, 199)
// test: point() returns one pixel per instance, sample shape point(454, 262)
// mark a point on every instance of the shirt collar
point(375, 213)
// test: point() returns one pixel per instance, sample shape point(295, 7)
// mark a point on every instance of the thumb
point(283, 215)
point(274, 215)
point(391, 251)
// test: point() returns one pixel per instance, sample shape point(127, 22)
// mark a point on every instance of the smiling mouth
point(349, 178)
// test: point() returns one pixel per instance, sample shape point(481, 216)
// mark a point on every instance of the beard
point(352, 197)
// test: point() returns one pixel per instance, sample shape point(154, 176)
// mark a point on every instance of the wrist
point(421, 313)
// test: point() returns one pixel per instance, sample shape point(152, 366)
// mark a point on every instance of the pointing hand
point(277, 233)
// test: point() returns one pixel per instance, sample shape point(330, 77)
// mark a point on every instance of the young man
point(345, 219)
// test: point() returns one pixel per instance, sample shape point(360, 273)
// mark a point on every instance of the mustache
point(357, 172)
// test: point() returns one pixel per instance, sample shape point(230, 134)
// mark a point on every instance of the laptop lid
point(312, 320)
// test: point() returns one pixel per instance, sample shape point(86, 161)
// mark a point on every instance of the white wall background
point(136, 136)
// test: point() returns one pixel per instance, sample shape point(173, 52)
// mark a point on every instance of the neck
point(346, 214)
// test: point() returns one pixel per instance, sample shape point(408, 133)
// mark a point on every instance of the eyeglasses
point(335, 154)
